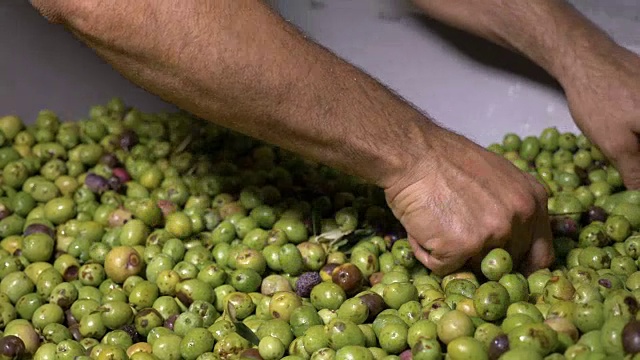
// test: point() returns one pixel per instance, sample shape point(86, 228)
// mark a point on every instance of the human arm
point(238, 64)
point(601, 79)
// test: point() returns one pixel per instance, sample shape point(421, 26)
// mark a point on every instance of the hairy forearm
point(238, 64)
point(550, 32)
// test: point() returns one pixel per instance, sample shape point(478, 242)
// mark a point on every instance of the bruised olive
point(326, 271)
point(348, 277)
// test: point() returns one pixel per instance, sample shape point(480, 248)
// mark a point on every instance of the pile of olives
point(160, 236)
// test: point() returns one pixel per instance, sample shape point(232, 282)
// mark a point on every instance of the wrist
point(585, 56)
point(441, 144)
point(395, 159)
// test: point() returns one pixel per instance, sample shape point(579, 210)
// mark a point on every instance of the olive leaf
point(241, 329)
point(315, 221)
point(231, 311)
point(337, 238)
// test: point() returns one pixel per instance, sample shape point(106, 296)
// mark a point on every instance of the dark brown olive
point(39, 228)
point(75, 332)
point(133, 333)
point(595, 213)
point(115, 184)
point(631, 337)
point(375, 303)
point(565, 226)
point(632, 304)
point(71, 320)
point(583, 175)
point(348, 277)
point(11, 347)
point(128, 139)
point(71, 273)
point(498, 346)
point(110, 160)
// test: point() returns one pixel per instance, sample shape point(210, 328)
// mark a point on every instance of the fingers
point(437, 266)
point(624, 153)
point(541, 254)
point(629, 167)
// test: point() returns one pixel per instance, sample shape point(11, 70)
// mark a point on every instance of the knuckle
point(539, 191)
point(525, 205)
point(498, 227)
point(472, 248)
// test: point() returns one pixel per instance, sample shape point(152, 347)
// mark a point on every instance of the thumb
point(628, 164)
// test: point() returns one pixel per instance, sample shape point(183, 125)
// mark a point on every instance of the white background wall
point(470, 86)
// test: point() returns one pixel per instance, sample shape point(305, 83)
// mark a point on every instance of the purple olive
point(128, 139)
point(121, 174)
point(11, 347)
point(565, 227)
point(606, 283)
point(39, 228)
point(96, 183)
point(110, 160)
point(595, 213)
point(306, 282)
point(631, 337)
point(499, 345)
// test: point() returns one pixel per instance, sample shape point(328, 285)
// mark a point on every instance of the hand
point(604, 99)
point(463, 201)
point(52, 10)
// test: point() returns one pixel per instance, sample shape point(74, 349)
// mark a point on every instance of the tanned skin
point(240, 65)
